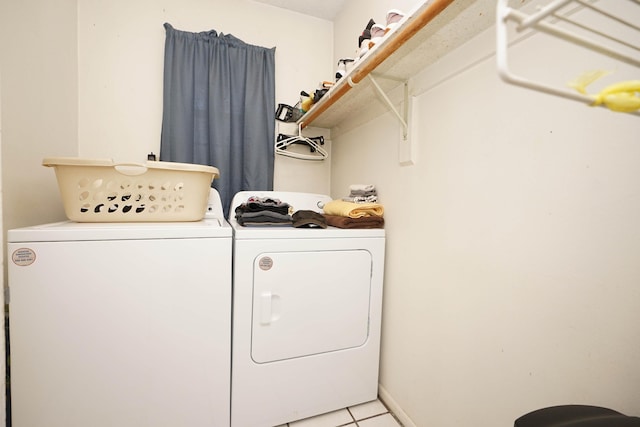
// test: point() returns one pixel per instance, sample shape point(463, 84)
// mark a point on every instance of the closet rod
point(535, 22)
point(525, 22)
point(414, 23)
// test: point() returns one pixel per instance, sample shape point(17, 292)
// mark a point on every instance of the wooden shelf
point(426, 34)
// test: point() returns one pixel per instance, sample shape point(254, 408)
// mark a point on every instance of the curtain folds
point(219, 108)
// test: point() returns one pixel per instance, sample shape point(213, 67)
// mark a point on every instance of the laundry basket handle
point(131, 169)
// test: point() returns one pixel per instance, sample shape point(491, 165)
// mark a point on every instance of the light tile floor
point(370, 414)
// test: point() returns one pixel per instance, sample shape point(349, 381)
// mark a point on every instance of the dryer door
point(307, 303)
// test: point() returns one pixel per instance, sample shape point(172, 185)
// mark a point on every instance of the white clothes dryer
point(306, 316)
point(121, 324)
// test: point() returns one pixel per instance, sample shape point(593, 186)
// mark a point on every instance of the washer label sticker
point(23, 257)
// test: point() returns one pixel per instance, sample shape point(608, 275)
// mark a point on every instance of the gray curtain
point(219, 108)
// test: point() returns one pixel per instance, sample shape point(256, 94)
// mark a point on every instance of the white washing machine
point(121, 324)
point(306, 317)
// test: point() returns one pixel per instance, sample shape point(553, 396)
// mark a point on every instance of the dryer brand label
point(23, 257)
point(265, 263)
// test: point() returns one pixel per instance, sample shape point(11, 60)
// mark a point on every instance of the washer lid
point(71, 231)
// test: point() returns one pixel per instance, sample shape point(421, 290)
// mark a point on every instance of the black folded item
point(263, 218)
point(308, 219)
point(366, 33)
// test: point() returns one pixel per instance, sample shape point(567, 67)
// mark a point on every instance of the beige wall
point(511, 277)
point(39, 105)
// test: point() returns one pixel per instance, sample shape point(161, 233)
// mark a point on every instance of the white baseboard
point(393, 406)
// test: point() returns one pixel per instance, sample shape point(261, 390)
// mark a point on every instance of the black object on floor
point(576, 416)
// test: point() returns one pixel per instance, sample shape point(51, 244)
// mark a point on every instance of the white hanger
point(319, 153)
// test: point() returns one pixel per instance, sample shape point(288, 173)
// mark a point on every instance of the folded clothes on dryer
point(259, 204)
point(362, 193)
point(263, 211)
point(363, 222)
point(353, 210)
point(361, 199)
point(362, 188)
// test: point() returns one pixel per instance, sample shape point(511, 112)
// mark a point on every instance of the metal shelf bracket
point(403, 118)
point(406, 151)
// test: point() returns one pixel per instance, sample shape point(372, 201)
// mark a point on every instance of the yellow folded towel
point(352, 210)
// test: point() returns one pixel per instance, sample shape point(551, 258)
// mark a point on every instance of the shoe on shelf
point(344, 66)
point(394, 17)
point(369, 24)
point(363, 44)
point(363, 50)
point(377, 32)
point(366, 35)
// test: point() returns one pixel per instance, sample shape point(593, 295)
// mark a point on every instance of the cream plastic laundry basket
point(99, 190)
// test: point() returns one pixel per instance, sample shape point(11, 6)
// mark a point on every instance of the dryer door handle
point(266, 307)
